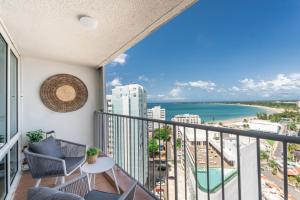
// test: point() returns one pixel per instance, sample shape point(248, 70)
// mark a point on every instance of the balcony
point(237, 167)
point(39, 39)
point(104, 182)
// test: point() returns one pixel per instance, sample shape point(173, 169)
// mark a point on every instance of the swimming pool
point(215, 178)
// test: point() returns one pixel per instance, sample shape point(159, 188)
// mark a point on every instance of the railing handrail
point(246, 133)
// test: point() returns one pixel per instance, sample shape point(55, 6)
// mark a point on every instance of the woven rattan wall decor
point(63, 93)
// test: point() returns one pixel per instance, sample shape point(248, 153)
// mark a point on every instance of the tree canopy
point(163, 133)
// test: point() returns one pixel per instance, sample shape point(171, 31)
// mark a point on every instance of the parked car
point(160, 180)
point(162, 167)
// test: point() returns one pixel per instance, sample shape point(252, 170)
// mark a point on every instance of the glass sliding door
point(3, 82)
point(13, 162)
point(3, 178)
point(13, 95)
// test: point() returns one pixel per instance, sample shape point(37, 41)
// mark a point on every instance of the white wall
point(77, 126)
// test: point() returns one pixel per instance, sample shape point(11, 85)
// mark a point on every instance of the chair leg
point(80, 170)
point(62, 180)
point(37, 184)
point(115, 179)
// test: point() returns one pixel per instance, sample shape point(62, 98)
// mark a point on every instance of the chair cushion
point(97, 195)
point(50, 194)
point(47, 147)
point(73, 162)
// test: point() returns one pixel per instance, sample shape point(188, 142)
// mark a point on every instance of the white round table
point(102, 164)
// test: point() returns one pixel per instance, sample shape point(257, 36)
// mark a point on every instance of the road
point(279, 183)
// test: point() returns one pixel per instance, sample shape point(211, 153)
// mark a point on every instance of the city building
point(109, 107)
point(262, 125)
point(248, 171)
point(130, 100)
point(298, 104)
point(187, 118)
point(156, 113)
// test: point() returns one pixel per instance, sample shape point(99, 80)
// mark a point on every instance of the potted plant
point(35, 136)
point(92, 154)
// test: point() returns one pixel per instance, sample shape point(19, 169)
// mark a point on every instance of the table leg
point(90, 175)
point(116, 182)
point(94, 181)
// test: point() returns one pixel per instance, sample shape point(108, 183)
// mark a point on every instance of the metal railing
point(173, 160)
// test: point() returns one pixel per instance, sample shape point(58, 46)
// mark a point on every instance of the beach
point(268, 109)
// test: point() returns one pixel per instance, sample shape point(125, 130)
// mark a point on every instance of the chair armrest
point(71, 149)
point(78, 185)
point(43, 165)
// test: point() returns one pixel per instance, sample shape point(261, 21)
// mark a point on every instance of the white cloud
point(235, 89)
point(115, 82)
point(175, 92)
point(121, 59)
point(204, 85)
point(143, 78)
point(282, 83)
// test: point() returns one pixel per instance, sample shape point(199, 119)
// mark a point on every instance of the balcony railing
point(174, 160)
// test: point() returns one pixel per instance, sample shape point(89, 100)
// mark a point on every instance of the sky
point(218, 50)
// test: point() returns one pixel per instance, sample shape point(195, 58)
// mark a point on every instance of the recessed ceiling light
point(88, 22)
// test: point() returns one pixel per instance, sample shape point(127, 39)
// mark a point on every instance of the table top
point(102, 164)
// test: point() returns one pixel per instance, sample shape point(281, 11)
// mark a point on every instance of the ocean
point(209, 111)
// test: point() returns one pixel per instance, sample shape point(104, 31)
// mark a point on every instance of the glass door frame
point(16, 139)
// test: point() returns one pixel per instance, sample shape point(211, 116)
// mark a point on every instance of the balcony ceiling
point(51, 29)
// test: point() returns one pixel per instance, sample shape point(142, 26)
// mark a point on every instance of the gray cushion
point(50, 194)
point(47, 147)
point(97, 195)
point(73, 162)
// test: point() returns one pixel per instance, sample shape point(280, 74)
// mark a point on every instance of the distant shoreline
point(264, 109)
point(269, 110)
point(240, 119)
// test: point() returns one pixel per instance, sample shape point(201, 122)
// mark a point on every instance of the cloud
point(175, 92)
point(120, 60)
point(204, 85)
point(115, 82)
point(282, 83)
point(235, 89)
point(143, 78)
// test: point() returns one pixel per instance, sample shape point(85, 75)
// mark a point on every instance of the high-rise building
point(109, 108)
point(130, 136)
point(156, 113)
point(298, 104)
point(187, 118)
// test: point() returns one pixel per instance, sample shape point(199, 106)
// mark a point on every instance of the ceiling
point(50, 29)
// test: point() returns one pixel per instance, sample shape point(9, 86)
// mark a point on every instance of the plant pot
point(92, 159)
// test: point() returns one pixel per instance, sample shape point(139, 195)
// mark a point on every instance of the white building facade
point(261, 125)
point(130, 137)
point(156, 113)
point(187, 118)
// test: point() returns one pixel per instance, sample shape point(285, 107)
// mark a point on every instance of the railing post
point(285, 171)
point(175, 163)
point(258, 167)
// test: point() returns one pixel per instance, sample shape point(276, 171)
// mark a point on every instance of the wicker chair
point(77, 189)
point(41, 166)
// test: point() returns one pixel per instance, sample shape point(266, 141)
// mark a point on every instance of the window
point(13, 162)
point(13, 95)
point(9, 100)
point(3, 73)
point(3, 178)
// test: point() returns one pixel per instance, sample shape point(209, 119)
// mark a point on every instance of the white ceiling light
point(88, 22)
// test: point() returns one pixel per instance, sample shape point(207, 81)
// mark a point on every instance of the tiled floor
point(103, 183)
